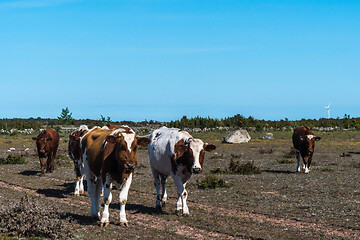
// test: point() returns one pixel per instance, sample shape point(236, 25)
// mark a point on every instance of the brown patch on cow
point(123, 202)
point(47, 143)
point(113, 127)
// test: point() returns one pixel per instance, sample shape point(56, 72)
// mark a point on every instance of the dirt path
point(186, 231)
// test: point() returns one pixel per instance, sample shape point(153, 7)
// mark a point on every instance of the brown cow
point(76, 155)
point(47, 143)
point(110, 156)
point(304, 144)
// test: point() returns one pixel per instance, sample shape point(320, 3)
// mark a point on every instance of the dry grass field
point(275, 204)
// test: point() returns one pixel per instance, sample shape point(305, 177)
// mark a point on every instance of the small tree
point(104, 120)
point(65, 117)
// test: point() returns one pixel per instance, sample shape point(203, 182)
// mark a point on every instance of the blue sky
point(162, 59)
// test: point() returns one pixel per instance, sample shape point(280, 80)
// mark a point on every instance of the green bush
point(285, 161)
point(13, 159)
point(212, 182)
point(218, 171)
point(243, 168)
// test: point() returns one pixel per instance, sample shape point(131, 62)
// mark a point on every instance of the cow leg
point(156, 176)
point(92, 190)
point(307, 167)
point(52, 167)
point(42, 165)
point(182, 193)
point(163, 186)
point(48, 161)
point(78, 178)
point(107, 201)
point(298, 161)
point(123, 199)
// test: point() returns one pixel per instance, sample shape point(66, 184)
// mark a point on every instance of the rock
point(266, 136)
point(238, 136)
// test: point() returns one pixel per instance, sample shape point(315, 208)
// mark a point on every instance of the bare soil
point(276, 204)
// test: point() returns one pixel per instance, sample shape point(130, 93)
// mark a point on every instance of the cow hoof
point(76, 194)
point(104, 224)
point(82, 192)
point(186, 214)
point(178, 212)
point(124, 224)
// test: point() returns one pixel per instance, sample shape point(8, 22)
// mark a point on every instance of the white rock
point(238, 136)
point(266, 136)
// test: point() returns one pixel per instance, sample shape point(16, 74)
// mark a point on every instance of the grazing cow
point(47, 143)
point(110, 156)
point(175, 152)
point(76, 155)
point(304, 144)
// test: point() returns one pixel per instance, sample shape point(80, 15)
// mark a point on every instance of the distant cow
point(47, 143)
point(175, 152)
point(76, 155)
point(110, 156)
point(304, 144)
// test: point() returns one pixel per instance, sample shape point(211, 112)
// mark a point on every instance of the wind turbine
point(328, 110)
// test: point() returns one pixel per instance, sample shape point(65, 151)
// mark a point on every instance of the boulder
point(266, 136)
point(238, 136)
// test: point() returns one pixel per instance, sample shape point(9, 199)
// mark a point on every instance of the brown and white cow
point(174, 152)
point(110, 157)
point(47, 143)
point(76, 155)
point(304, 144)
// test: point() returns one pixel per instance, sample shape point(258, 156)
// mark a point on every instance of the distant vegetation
point(240, 121)
point(237, 121)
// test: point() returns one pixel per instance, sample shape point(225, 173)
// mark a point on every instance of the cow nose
point(130, 165)
point(196, 170)
point(310, 150)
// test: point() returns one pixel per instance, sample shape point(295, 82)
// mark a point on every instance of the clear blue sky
point(162, 59)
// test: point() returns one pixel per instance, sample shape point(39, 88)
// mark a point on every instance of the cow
point(47, 143)
point(174, 152)
point(304, 143)
point(76, 155)
point(110, 157)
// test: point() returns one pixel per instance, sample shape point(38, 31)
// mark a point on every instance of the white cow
point(176, 153)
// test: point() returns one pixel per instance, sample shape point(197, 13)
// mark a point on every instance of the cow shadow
point(66, 191)
point(30, 173)
point(279, 171)
point(79, 219)
point(137, 208)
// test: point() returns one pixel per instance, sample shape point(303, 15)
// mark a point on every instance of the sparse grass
point(333, 163)
point(235, 156)
point(243, 168)
point(13, 159)
point(218, 171)
point(290, 154)
point(285, 161)
point(212, 182)
point(327, 170)
point(217, 156)
point(63, 160)
point(314, 164)
point(355, 165)
point(265, 151)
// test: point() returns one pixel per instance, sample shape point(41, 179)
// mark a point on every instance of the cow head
point(309, 143)
point(123, 145)
point(42, 143)
point(192, 153)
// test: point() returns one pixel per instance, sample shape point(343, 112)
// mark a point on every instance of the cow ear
point(180, 148)
point(317, 138)
point(34, 138)
point(109, 146)
point(210, 147)
point(143, 141)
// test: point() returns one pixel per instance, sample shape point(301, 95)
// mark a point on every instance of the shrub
point(218, 170)
point(243, 168)
point(27, 218)
point(285, 161)
point(290, 154)
point(13, 159)
point(212, 182)
point(265, 151)
point(235, 156)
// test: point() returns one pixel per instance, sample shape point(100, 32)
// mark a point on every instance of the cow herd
point(107, 155)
